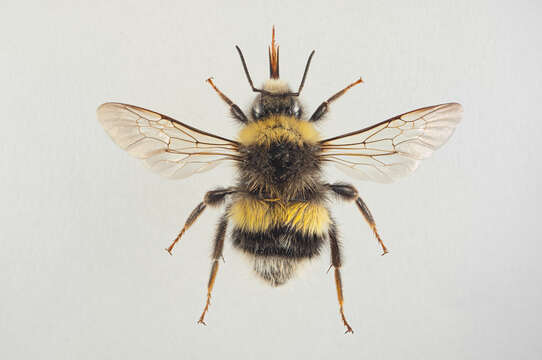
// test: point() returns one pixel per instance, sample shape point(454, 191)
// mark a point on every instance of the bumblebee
point(278, 209)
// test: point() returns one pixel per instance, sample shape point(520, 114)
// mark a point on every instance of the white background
point(83, 225)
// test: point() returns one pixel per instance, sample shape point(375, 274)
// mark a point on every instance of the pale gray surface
point(83, 272)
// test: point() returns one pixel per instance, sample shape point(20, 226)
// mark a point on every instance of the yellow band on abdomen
point(260, 215)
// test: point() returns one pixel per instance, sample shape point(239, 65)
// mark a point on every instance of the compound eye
point(257, 111)
point(296, 110)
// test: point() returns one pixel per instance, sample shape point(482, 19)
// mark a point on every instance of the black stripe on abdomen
point(279, 241)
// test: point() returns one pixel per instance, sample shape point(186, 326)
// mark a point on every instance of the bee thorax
point(280, 157)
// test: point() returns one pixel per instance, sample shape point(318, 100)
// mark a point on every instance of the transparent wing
point(167, 146)
point(393, 148)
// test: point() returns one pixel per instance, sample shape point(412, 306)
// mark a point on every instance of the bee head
point(276, 100)
point(275, 97)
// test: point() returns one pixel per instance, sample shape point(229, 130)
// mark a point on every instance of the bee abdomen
point(278, 235)
point(255, 215)
point(276, 254)
point(275, 270)
point(279, 241)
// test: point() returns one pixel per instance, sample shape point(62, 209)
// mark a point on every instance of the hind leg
point(336, 262)
point(217, 254)
point(350, 193)
point(212, 198)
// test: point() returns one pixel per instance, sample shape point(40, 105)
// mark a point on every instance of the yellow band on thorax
point(276, 128)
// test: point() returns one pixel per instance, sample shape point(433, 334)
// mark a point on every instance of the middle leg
point(212, 198)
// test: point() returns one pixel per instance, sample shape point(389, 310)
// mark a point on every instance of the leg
point(370, 220)
point(191, 219)
point(348, 192)
point(234, 109)
point(212, 198)
point(322, 109)
point(217, 254)
point(336, 263)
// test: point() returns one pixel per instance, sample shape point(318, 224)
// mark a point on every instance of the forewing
point(167, 146)
point(393, 148)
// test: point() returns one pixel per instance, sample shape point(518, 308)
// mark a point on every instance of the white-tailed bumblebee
point(278, 208)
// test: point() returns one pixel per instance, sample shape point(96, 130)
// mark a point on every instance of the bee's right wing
point(167, 146)
point(393, 148)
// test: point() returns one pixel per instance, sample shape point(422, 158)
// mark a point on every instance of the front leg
point(234, 109)
point(323, 108)
point(211, 198)
point(350, 193)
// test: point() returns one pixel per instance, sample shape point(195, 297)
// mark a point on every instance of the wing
point(167, 146)
point(393, 148)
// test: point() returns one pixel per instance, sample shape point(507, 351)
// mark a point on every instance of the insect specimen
point(278, 208)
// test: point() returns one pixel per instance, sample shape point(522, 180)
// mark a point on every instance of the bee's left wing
point(393, 148)
point(167, 146)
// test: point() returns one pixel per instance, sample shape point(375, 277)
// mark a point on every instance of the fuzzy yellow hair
point(277, 128)
point(260, 215)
